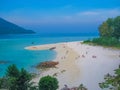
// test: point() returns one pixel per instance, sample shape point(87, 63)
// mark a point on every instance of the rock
point(52, 48)
point(47, 64)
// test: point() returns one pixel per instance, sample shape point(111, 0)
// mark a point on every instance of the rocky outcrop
point(47, 64)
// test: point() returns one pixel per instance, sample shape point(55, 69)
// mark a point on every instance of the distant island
point(7, 27)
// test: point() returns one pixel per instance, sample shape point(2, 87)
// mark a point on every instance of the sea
point(12, 49)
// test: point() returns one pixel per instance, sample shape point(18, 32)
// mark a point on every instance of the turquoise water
point(12, 50)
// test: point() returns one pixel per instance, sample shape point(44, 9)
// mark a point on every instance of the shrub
point(15, 79)
point(105, 41)
point(111, 81)
point(48, 83)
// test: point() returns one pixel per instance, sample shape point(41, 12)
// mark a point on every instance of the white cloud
point(98, 15)
point(98, 12)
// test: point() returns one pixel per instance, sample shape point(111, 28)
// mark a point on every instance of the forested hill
point(7, 27)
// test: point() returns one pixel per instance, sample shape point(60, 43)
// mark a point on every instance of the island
point(7, 27)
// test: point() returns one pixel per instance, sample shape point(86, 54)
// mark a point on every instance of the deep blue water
point(12, 49)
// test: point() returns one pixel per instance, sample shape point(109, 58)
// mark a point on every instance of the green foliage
point(12, 75)
point(23, 80)
point(12, 71)
point(16, 79)
point(112, 82)
point(105, 30)
point(82, 87)
point(105, 41)
point(110, 28)
point(48, 83)
point(3, 83)
point(116, 32)
point(12, 83)
point(109, 33)
point(87, 41)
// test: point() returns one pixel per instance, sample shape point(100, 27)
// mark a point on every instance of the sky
point(59, 16)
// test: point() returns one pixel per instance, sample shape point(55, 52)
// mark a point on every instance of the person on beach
point(93, 56)
point(65, 88)
point(83, 56)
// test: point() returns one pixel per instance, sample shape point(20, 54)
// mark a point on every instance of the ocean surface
point(12, 50)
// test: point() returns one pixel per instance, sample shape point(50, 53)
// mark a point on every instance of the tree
point(117, 27)
point(16, 79)
point(48, 83)
point(106, 28)
point(12, 71)
point(3, 83)
point(12, 83)
point(23, 80)
point(12, 75)
point(112, 81)
point(110, 28)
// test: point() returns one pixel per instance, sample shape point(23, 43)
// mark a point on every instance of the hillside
point(7, 27)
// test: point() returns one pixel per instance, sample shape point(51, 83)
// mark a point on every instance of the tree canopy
point(48, 83)
point(15, 79)
point(110, 28)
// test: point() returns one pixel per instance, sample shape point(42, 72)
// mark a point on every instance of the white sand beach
point(80, 63)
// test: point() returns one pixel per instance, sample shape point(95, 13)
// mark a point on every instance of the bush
point(23, 80)
point(12, 71)
point(15, 79)
point(86, 41)
point(111, 81)
point(110, 28)
point(105, 41)
point(3, 83)
point(48, 83)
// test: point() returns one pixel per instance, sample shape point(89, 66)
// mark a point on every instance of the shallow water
point(12, 50)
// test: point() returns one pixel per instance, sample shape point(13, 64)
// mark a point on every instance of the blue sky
point(59, 16)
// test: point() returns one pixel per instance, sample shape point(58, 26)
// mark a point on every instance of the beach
point(80, 63)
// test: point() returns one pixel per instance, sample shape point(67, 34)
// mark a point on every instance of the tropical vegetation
point(112, 81)
point(48, 83)
point(109, 32)
point(16, 79)
point(20, 79)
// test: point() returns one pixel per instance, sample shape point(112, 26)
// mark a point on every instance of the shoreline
point(80, 63)
point(66, 57)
